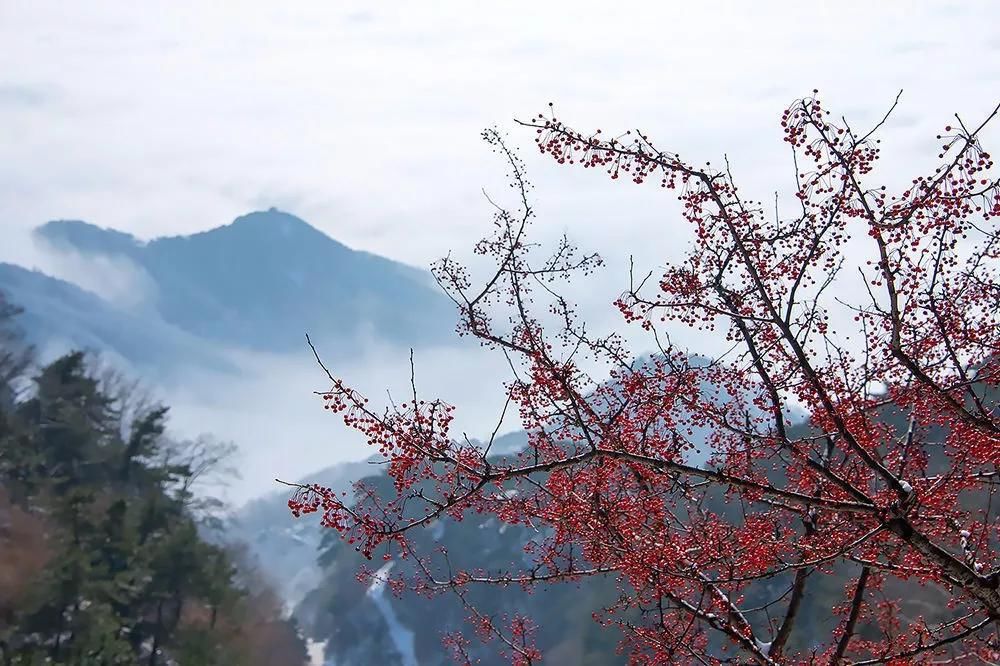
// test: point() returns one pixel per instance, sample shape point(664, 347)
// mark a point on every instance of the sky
point(161, 118)
point(363, 118)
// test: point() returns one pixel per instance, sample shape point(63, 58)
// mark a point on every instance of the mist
point(271, 412)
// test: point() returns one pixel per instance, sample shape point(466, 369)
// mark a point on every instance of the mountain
point(285, 550)
point(370, 625)
point(268, 278)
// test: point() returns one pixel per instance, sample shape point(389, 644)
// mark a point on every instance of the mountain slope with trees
point(102, 533)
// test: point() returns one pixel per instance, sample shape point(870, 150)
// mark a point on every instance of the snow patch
point(317, 653)
point(402, 638)
point(877, 388)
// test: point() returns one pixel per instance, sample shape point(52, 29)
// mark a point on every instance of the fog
point(281, 428)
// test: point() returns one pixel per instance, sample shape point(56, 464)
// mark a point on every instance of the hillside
point(104, 555)
point(60, 316)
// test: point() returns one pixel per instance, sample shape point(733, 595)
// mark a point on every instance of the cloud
point(378, 118)
point(116, 279)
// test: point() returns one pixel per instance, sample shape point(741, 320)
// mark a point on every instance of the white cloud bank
point(283, 430)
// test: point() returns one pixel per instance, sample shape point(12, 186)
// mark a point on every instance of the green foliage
point(104, 561)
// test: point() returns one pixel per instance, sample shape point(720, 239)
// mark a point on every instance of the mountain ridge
point(264, 280)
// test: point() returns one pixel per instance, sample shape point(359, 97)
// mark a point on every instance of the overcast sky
point(364, 117)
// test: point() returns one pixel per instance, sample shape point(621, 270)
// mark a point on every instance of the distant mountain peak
point(274, 219)
point(267, 225)
point(273, 226)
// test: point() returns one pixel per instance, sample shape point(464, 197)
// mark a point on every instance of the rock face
point(361, 624)
point(284, 549)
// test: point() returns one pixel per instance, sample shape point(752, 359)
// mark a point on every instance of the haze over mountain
point(267, 278)
point(59, 316)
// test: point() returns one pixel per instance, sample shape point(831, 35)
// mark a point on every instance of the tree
point(882, 495)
